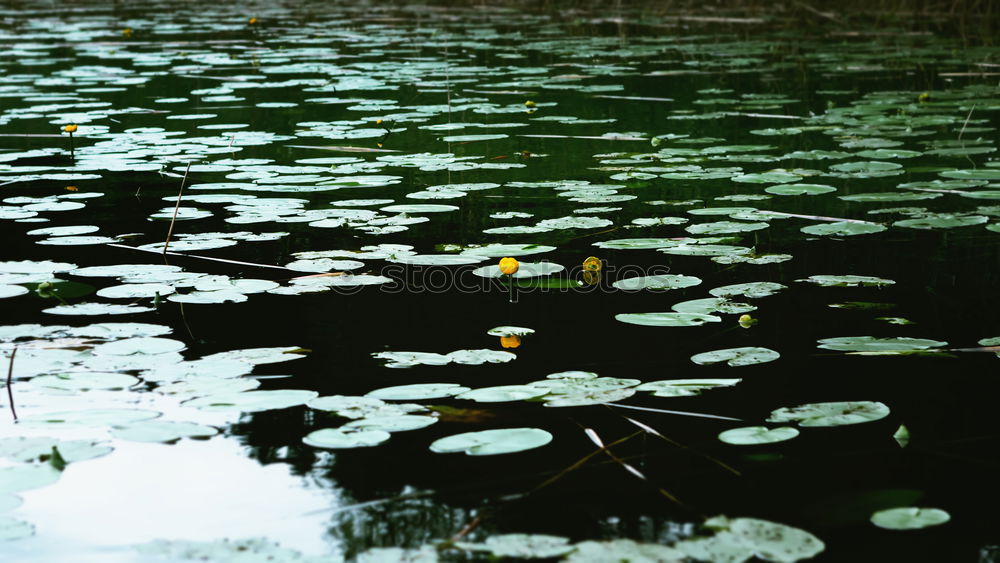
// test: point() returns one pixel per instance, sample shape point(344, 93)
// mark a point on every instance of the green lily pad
point(684, 387)
point(755, 435)
point(417, 391)
point(584, 398)
point(88, 417)
point(40, 449)
point(493, 442)
point(161, 431)
point(800, 189)
point(909, 518)
point(848, 280)
point(736, 357)
point(395, 423)
point(942, 221)
point(623, 549)
point(503, 393)
point(14, 529)
point(709, 305)
point(660, 282)
point(667, 319)
point(751, 290)
point(341, 438)
point(705, 250)
point(17, 478)
point(253, 401)
point(724, 227)
point(503, 331)
point(843, 228)
point(874, 344)
point(81, 381)
point(521, 546)
point(840, 413)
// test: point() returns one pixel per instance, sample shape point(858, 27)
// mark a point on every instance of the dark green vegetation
point(808, 198)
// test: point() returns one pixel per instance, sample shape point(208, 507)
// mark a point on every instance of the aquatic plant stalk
point(10, 382)
point(173, 219)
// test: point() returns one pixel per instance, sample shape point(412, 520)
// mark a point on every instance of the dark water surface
point(618, 123)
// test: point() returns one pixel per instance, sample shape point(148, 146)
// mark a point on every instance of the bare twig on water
point(655, 432)
point(967, 118)
point(10, 382)
point(467, 528)
point(630, 468)
point(579, 463)
point(682, 413)
point(817, 217)
point(224, 260)
point(173, 219)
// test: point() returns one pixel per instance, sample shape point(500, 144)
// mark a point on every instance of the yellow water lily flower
point(69, 128)
point(592, 264)
point(509, 266)
point(512, 341)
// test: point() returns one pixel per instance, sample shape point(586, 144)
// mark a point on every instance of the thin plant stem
point(173, 219)
point(10, 382)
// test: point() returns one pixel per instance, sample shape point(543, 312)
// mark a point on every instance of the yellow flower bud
point(509, 266)
point(592, 264)
point(69, 128)
point(746, 321)
point(512, 341)
point(529, 104)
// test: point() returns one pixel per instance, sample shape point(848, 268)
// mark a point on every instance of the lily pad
point(848, 280)
point(667, 319)
point(522, 546)
point(396, 423)
point(660, 282)
point(684, 387)
point(751, 290)
point(909, 518)
point(843, 228)
point(840, 413)
point(736, 357)
point(493, 442)
point(417, 391)
point(755, 435)
point(161, 431)
point(253, 401)
point(503, 393)
point(341, 438)
point(875, 344)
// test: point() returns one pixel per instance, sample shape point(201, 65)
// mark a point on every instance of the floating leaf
point(14, 529)
point(710, 305)
point(623, 550)
point(736, 357)
point(667, 319)
point(19, 478)
point(684, 387)
point(942, 221)
point(660, 282)
point(752, 290)
point(847, 281)
point(754, 435)
point(391, 423)
point(843, 228)
point(909, 518)
point(522, 546)
point(161, 431)
point(831, 414)
point(493, 442)
point(417, 391)
point(800, 189)
point(253, 401)
point(503, 393)
point(874, 344)
point(503, 331)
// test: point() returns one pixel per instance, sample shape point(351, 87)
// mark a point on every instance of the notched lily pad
point(839, 413)
point(493, 442)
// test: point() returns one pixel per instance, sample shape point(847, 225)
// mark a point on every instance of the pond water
point(756, 261)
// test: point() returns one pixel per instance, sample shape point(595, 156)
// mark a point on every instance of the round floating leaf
point(767, 178)
point(135, 291)
point(660, 282)
point(19, 478)
point(637, 243)
point(522, 546)
point(800, 189)
point(874, 344)
point(479, 357)
point(942, 221)
point(705, 250)
point(754, 435)
point(493, 442)
point(161, 431)
point(710, 305)
point(501, 250)
point(91, 309)
point(667, 319)
point(419, 208)
point(884, 197)
point(839, 413)
point(724, 227)
point(736, 357)
point(397, 423)
point(909, 518)
point(684, 387)
point(410, 359)
point(340, 438)
point(40, 449)
point(772, 541)
point(14, 529)
point(12, 290)
point(502, 331)
point(750, 290)
point(140, 346)
point(979, 174)
point(847, 281)
point(503, 393)
point(88, 417)
point(253, 401)
point(80, 381)
point(623, 550)
point(584, 398)
point(524, 270)
point(417, 391)
point(843, 228)
point(437, 259)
